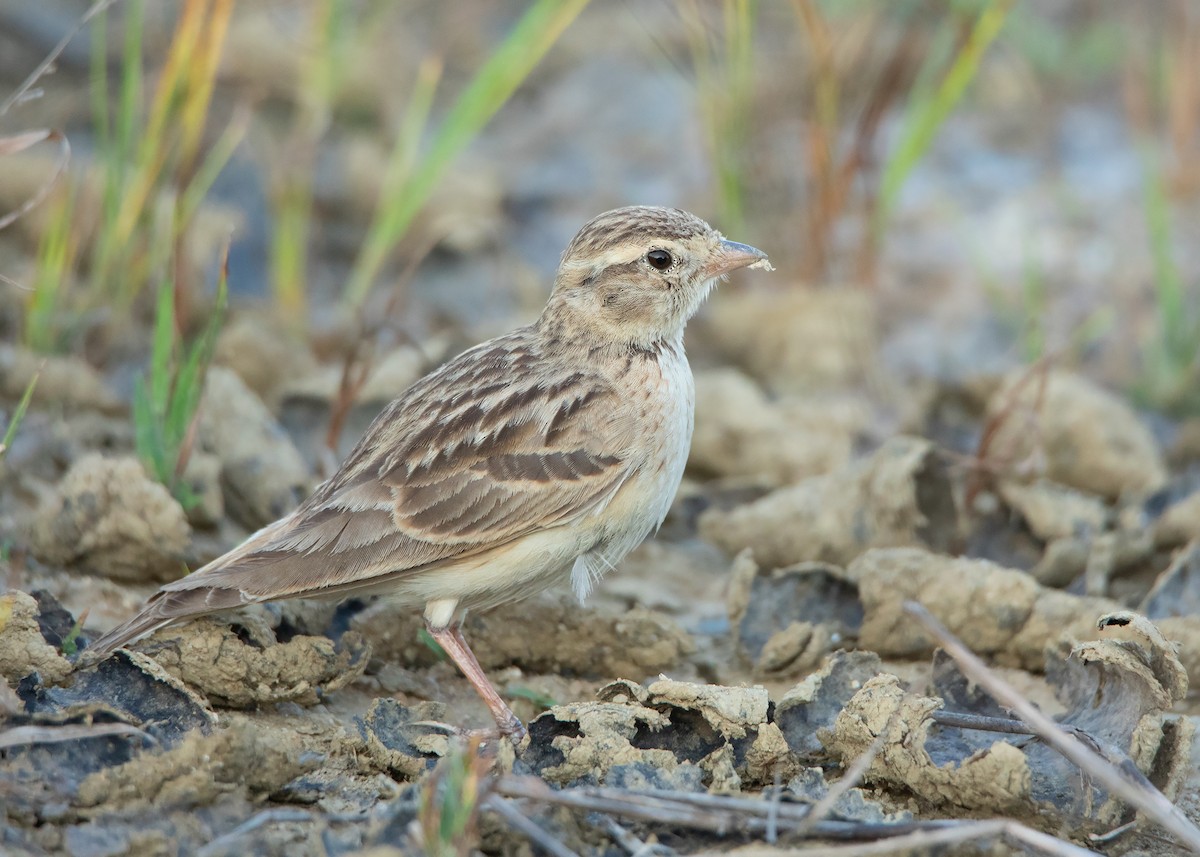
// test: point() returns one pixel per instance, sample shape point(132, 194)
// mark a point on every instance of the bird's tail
point(197, 594)
point(142, 625)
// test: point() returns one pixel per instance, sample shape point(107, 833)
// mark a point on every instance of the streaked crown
point(622, 226)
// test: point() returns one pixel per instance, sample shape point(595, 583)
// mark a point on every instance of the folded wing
point(493, 446)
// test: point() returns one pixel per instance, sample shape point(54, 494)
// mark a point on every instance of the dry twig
point(48, 63)
point(360, 359)
point(987, 463)
point(19, 143)
point(21, 736)
point(719, 814)
point(957, 833)
point(621, 836)
point(526, 826)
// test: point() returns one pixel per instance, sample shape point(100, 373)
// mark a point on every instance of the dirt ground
point(750, 680)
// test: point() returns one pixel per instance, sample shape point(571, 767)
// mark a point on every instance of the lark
point(543, 455)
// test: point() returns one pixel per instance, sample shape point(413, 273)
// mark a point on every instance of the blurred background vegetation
point(978, 184)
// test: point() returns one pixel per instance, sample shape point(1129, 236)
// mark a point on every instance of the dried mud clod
point(1075, 433)
point(133, 684)
point(740, 432)
point(787, 340)
point(404, 741)
point(23, 647)
point(202, 476)
point(104, 717)
point(1177, 519)
point(815, 703)
point(811, 786)
point(262, 473)
point(68, 382)
point(1116, 693)
point(244, 672)
point(582, 741)
point(788, 619)
point(1173, 514)
point(259, 348)
point(1053, 511)
point(1176, 592)
point(996, 611)
point(901, 495)
point(107, 517)
point(671, 727)
point(241, 758)
point(997, 778)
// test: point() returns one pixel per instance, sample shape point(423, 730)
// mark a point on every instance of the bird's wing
point(495, 445)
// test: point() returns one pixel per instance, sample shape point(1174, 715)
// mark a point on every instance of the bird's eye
point(659, 259)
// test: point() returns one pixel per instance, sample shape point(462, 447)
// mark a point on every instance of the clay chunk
point(901, 495)
point(23, 649)
point(741, 432)
point(108, 517)
point(262, 473)
point(1075, 433)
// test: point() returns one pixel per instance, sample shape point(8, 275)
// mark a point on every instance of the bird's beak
point(731, 255)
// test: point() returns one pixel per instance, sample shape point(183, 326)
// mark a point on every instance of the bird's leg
point(451, 640)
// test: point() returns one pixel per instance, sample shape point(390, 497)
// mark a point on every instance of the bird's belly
point(510, 572)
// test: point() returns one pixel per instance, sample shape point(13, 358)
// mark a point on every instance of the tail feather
point(167, 606)
point(184, 599)
point(141, 625)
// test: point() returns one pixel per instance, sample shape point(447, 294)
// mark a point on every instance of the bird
point(543, 455)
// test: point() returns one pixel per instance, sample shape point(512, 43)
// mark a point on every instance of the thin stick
point(1138, 793)
point(635, 846)
point(719, 814)
point(46, 64)
point(922, 840)
point(277, 815)
point(20, 736)
point(20, 142)
point(526, 826)
point(981, 722)
point(849, 780)
point(1115, 833)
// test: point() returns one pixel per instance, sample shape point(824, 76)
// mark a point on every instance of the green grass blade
point(55, 258)
point(403, 159)
point(162, 348)
point(130, 107)
point(210, 167)
point(147, 434)
point(1171, 365)
point(927, 114)
point(538, 28)
point(541, 700)
point(1168, 283)
point(10, 433)
point(189, 382)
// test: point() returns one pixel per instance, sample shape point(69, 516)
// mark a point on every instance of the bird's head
point(636, 275)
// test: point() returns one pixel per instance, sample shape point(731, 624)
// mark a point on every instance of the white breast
point(664, 392)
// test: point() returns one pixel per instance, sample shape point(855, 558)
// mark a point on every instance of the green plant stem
point(538, 28)
point(928, 114)
point(10, 433)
